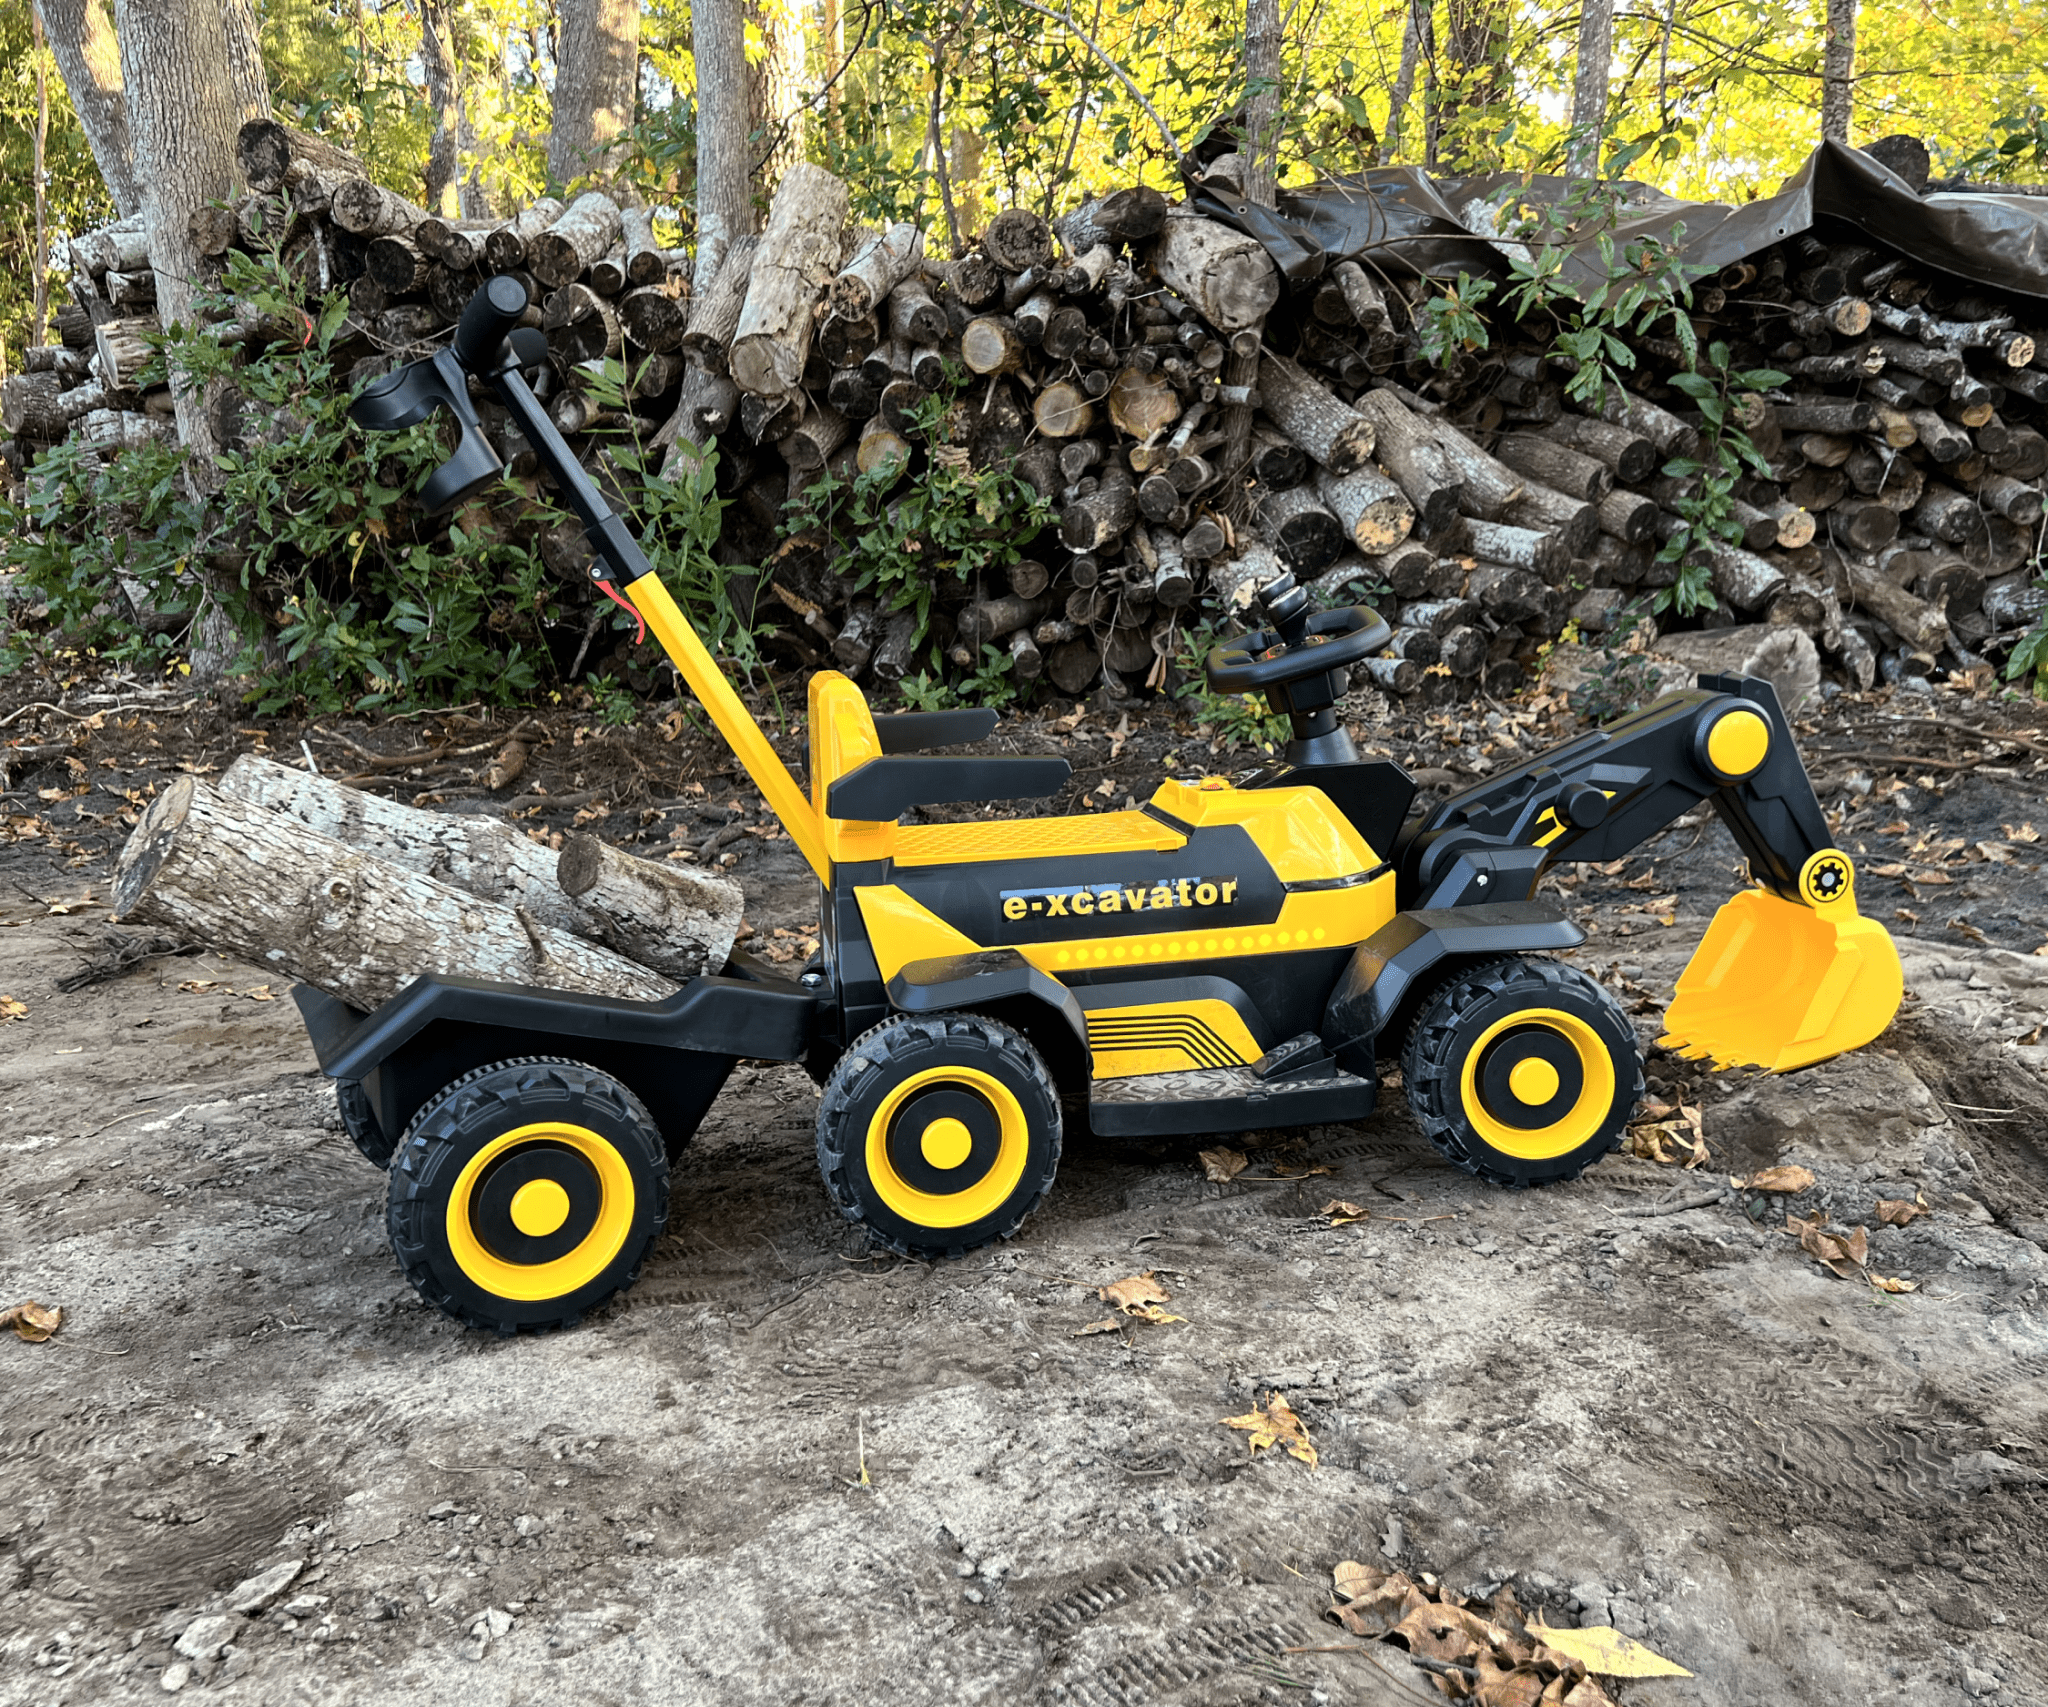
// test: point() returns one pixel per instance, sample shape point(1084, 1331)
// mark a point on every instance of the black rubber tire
point(1459, 1013)
point(466, 1115)
point(880, 1060)
point(360, 1123)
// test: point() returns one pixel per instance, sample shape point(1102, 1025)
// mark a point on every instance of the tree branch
point(1121, 75)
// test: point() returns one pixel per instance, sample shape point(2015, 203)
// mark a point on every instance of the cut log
point(1408, 450)
point(1142, 405)
point(1229, 277)
point(1486, 485)
point(1744, 579)
point(505, 248)
point(973, 280)
point(397, 264)
point(266, 150)
point(122, 247)
point(1571, 472)
point(914, 316)
point(1062, 410)
point(1632, 455)
point(1075, 665)
point(1544, 553)
point(370, 210)
point(991, 343)
point(586, 232)
point(1913, 620)
point(716, 314)
point(261, 886)
point(879, 264)
point(1276, 461)
point(1126, 216)
point(1864, 524)
point(1234, 581)
point(456, 244)
point(882, 447)
point(1548, 510)
point(1375, 512)
point(1303, 530)
point(124, 350)
point(665, 916)
point(1096, 522)
point(1784, 657)
point(1509, 594)
point(1944, 513)
point(698, 913)
point(581, 326)
point(1017, 240)
point(1333, 433)
point(1630, 517)
point(806, 446)
point(798, 254)
point(645, 263)
point(657, 316)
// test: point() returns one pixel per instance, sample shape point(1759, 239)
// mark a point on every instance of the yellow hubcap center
point(539, 1207)
point(1738, 742)
point(1533, 1081)
point(946, 1142)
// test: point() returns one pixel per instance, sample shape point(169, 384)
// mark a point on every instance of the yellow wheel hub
point(1533, 1080)
point(539, 1207)
point(946, 1142)
point(1537, 1040)
point(567, 1166)
point(986, 1140)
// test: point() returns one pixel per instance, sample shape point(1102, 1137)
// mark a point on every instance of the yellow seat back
point(842, 739)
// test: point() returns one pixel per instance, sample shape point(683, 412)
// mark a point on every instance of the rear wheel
point(1523, 1071)
point(527, 1193)
point(359, 1121)
point(939, 1134)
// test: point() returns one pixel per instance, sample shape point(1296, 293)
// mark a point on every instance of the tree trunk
point(596, 82)
point(725, 204)
point(1412, 32)
point(1262, 102)
point(444, 97)
point(1589, 88)
point(261, 886)
point(775, 114)
point(88, 57)
point(798, 255)
point(697, 913)
point(1838, 71)
point(245, 60)
point(39, 259)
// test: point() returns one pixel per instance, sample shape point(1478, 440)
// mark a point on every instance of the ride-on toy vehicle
point(1228, 956)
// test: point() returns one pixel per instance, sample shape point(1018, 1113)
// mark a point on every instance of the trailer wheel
point(359, 1121)
point(1523, 1071)
point(527, 1193)
point(940, 1134)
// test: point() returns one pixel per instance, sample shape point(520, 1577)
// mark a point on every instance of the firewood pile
point(1194, 426)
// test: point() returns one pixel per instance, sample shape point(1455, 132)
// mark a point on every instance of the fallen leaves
point(1136, 1298)
point(1670, 1136)
point(10, 1009)
point(32, 1321)
point(1222, 1164)
point(1900, 1211)
point(1344, 1214)
point(1845, 1255)
point(215, 987)
point(1276, 1423)
point(1789, 1179)
point(1487, 1652)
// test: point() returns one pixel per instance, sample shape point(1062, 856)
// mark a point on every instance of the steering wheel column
point(1300, 660)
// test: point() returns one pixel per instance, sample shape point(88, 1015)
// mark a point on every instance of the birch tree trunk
point(1589, 87)
point(1838, 71)
point(725, 204)
point(595, 85)
point(88, 58)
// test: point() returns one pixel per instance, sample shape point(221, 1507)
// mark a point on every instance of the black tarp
point(1407, 221)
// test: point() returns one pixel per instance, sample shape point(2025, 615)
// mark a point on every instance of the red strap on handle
point(626, 606)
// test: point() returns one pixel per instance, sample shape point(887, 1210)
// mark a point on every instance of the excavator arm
point(1788, 973)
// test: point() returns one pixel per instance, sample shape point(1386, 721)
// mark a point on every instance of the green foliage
point(1726, 455)
point(1620, 679)
point(2015, 152)
point(1233, 719)
point(613, 701)
point(1449, 323)
point(904, 539)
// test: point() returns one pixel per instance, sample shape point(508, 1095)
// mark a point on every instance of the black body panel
point(882, 790)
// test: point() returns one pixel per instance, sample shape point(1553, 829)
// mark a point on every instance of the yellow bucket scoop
point(1778, 984)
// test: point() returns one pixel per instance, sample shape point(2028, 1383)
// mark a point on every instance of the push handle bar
point(491, 315)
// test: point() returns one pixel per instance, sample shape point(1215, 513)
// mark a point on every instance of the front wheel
point(1523, 1071)
point(940, 1134)
point(527, 1193)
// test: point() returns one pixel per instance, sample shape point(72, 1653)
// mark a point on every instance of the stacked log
point(1899, 519)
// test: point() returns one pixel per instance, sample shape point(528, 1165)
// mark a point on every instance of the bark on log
point(1913, 620)
point(1333, 433)
point(266, 150)
point(914, 316)
point(586, 232)
point(657, 316)
point(370, 210)
point(716, 315)
point(1628, 516)
point(1631, 454)
point(1744, 579)
point(1303, 530)
point(124, 350)
point(645, 263)
point(1126, 216)
point(879, 264)
point(1407, 449)
point(1233, 581)
point(1229, 277)
point(1486, 484)
point(1374, 511)
point(670, 917)
point(1571, 472)
point(505, 248)
point(797, 256)
point(1017, 240)
point(1547, 554)
point(261, 886)
point(992, 344)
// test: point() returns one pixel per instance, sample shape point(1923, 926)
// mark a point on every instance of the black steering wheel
point(1296, 645)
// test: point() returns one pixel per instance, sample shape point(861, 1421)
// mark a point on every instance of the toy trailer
point(1231, 955)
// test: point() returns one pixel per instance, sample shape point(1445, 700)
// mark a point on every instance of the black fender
point(1394, 963)
point(675, 1054)
point(1001, 983)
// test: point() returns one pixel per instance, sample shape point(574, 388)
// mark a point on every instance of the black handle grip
point(1261, 659)
point(491, 314)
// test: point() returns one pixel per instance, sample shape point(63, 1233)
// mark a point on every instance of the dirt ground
point(783, 1469)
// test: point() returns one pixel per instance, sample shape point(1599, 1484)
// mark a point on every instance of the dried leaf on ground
point(1298, 1170)
point(1789, 1179)
point(10, 1009)
point(1608, 1652)
point(1108, 1325)
point(1588, 1694)
point(1671, 1137)
point(1899, 1211)
point(1344, 1214)
point(32, 1321)
point(1351, 1578)
point(1276, 1424)
point(1886, 1283)
point(1131, 1294)
point(201, 986)
point(1152, 1313)
point(1222, 1164)
point(1842, 1254)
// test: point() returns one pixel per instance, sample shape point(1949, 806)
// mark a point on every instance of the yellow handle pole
point(771, 776)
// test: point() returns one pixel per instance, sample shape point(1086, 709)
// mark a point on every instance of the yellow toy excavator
point(1228, 956)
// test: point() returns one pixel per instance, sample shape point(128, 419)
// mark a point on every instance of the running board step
point(1223, 1099)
